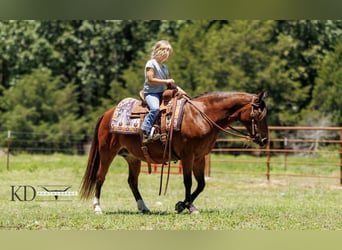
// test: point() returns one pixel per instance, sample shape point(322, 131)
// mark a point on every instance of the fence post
point(207, 165)
point(341, 157)
point(285, 153)
point(8, 147)
point(268, 155)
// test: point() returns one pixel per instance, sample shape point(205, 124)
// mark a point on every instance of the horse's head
point(254, 119)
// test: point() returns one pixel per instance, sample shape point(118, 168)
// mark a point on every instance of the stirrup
point(149, 138)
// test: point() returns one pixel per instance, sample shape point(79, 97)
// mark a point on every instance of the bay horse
point(204, 118)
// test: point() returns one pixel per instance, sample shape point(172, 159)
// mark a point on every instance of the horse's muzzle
point(261, 141)
point(264, 141)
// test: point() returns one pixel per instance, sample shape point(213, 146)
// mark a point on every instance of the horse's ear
point(262, 95)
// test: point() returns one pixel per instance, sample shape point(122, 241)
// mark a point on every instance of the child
point(156, 77)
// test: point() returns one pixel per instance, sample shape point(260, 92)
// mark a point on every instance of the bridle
point(257, 114)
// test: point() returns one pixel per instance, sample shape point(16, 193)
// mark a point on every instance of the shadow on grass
point(163, 213)
point(128, 212)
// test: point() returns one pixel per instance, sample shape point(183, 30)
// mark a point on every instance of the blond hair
point(161, 50)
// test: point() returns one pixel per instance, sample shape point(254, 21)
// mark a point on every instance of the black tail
point(89, 178)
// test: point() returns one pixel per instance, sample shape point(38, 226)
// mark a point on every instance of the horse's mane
point(217, 93)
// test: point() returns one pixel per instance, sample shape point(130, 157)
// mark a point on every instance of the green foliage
point(102, 61)
point(37, 104)
point(185, 63)
point(327, 92)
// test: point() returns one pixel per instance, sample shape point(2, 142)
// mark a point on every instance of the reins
point(168, 147)
point(237, 133)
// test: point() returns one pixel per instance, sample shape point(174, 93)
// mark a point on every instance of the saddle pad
point(125, 122)
point(177, 123)
point(121, 121)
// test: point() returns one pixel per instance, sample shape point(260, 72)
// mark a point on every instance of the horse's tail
point(89, 178)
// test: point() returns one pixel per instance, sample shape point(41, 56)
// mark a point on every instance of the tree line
point(57, 76)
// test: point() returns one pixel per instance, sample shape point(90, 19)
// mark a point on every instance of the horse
point(204, 117)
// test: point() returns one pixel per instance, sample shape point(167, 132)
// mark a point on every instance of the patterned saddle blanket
point(129, 114)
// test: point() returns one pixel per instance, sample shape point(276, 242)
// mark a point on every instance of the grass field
point(229, 202)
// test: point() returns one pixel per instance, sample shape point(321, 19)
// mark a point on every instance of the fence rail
point(283, 141)
point(283, 146)
point(313, 141)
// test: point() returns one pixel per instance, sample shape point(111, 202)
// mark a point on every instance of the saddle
point(167, 107)
point(129, 115)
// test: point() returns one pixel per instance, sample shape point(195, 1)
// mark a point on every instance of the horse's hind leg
point(101, 176)
point(106, 157)
point(134, 166)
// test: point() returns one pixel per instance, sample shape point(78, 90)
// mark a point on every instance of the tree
point(313, 39)
point(40, 104)
point(186, 61)
point(278, 56)
point(327, 91)
point(23, 50)
point(239, 55)
point(96, 63)
point(132, 77)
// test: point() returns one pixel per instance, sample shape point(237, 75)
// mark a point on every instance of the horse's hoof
point(193, 209)
point(180, 206)
point(146, 211)
point(195, 212)
point(142, 207)
point(97, 210)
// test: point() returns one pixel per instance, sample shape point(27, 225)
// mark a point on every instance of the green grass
point(232, 199)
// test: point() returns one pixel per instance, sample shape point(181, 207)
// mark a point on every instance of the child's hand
point(170, 81)
point(171, 84)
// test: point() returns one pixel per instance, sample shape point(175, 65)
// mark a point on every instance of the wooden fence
point(284, 141)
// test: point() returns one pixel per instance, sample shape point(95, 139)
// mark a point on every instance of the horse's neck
point(219, 108)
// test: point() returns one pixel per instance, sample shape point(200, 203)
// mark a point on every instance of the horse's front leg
point(187, 180)
point(134, 171)
point(198, 170)
point(187, 203)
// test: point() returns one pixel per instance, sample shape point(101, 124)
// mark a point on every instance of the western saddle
point(167, 110)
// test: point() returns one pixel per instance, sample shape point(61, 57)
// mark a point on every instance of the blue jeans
point(153, 102)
